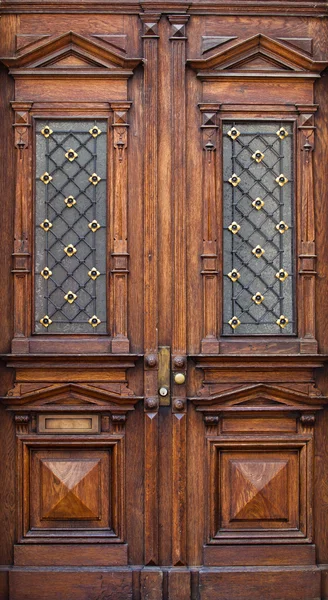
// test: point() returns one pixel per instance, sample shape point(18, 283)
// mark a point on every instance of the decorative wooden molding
point(257, 57)
point(305, 8)
point(120, 256)
point(150, 24)
point(289, 384)
point(23, 209)
point(179, 330)
point(209, 127)
point(284, 465)
point(91, 58)
point(306, 226)
point(151, 404)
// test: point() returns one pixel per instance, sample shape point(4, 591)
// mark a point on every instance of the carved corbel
point(118, 423)
point(120, 256)
point(22, 251)
point(211, 424)
point(209, 129)
point(22, 424)
point(307, 256)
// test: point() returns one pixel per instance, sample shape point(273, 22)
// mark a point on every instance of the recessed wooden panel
point(258, 425)
point(68, 424)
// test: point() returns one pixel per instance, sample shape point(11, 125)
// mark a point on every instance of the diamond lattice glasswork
point(71, 161)
point(260, 297)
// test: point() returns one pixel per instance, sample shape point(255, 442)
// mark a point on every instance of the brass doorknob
point(179, 378)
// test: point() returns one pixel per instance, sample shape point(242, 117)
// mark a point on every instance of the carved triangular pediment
point(71, 394)
point(258, 54)
point(259, 62)
point(73, 52)
point(256, 396)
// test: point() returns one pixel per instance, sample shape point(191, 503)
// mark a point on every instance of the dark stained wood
point(219, 490)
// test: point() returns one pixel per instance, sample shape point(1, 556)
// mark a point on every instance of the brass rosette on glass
point(93, 273)
point(258, 156)
point(233, 133)
point(46, 178)
point(282, 275)
point(94, 179)
point(234, 275)
point(94, 321)
point(70, 297)
point(234, 180)
point(258, 298)
point(45, 321)
point(282, 321)
point(70, 250)
point(95, 131)
point(258, 251)
point(71, 155)
point(234, 322)
point(234, 227)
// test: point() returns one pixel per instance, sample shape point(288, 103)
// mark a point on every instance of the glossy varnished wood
point(106, 493)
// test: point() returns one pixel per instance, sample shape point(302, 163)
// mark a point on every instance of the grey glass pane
point(257, 208)
point(70, 202)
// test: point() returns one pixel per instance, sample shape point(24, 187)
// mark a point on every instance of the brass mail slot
point(68, 424)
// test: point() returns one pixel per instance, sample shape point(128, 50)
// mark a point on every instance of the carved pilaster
point(22, 250)
point(151, 405)
point(209, 127)
point(179, 330)
point(120, 256)
point(306, 224)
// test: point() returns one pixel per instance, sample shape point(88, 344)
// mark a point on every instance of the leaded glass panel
point(258, 228)
point(70, 226)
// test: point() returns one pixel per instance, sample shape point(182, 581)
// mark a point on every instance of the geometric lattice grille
point(70, 227)
point(258, 228)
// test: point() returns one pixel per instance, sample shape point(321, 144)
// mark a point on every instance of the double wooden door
point(163, 424)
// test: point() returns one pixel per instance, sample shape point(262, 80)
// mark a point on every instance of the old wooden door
point(163, 300)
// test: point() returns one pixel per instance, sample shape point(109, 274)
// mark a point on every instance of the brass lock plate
point(164, 360)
